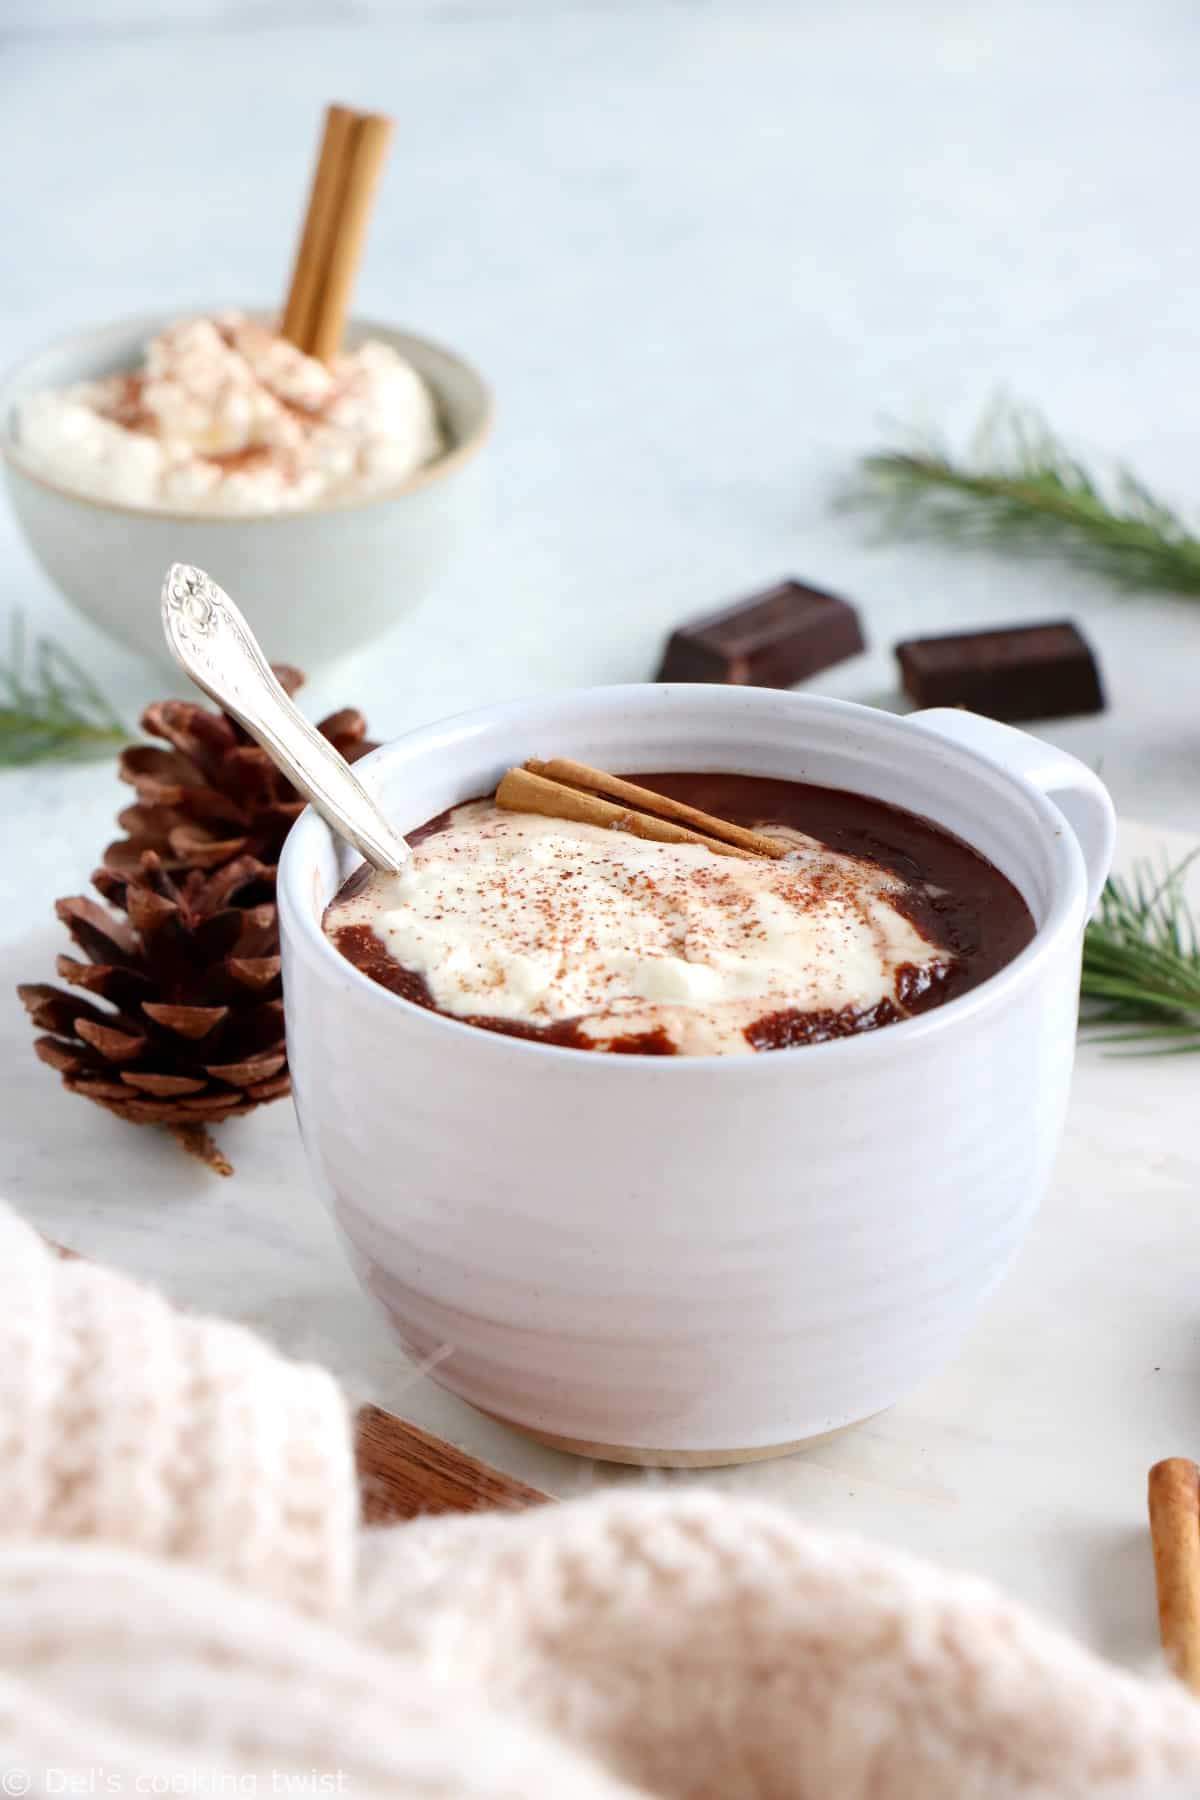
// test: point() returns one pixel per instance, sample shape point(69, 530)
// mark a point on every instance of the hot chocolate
point(591, 938)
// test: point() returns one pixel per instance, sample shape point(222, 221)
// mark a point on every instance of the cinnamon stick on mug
point(1174, 1496)
point(647, 800)
point(522, 791)
point(561, 789)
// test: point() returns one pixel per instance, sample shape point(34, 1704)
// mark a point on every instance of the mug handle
point(1079, 795)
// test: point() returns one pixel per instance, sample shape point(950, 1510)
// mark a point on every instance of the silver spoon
point(211, 642)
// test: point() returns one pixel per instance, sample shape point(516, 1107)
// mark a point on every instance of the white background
point(705, 253)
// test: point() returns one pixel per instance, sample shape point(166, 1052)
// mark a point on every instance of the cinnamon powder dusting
point(581, 936)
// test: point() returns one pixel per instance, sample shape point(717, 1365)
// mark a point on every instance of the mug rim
point(295, 869)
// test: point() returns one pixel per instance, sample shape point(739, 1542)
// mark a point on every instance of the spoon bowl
point(212, 643)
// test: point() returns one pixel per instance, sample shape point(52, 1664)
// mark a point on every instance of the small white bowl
point(314, 584)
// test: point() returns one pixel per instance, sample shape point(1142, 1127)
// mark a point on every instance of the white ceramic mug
point(698, 1259)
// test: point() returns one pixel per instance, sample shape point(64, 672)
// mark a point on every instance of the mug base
point(647, 1458)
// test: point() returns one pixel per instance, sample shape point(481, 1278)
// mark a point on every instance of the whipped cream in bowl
point(127, 446)
point(224, 415)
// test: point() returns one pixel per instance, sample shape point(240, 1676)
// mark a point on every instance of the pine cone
point(195, 1030)
point(191, 1029)
point(215, 794)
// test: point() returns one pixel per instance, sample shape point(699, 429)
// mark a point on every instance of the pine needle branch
point(49, 707)
point(1141, 963)
point(1019, 488)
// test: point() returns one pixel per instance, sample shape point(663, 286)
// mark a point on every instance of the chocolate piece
point(770, 640)
point(1044, 671)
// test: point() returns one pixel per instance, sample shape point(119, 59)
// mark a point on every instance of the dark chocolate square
point(772, 639)
point(1043, 671)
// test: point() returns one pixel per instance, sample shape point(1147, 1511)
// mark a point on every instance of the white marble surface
point(704, 252)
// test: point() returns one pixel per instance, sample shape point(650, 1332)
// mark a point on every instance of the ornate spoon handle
point(212, 642)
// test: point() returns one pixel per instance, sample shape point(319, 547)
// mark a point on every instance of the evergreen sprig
point(49, 707)
point(1141, 963)
point(1020, 488)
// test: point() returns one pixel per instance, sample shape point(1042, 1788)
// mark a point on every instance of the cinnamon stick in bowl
point(354, 146)
point(300, 307)
point(662, 806)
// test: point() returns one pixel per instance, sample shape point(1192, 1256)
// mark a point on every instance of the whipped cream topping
point(227, 416)
point(516, 917)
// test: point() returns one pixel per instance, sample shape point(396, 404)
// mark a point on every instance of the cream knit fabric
point(186, 1608)
point(125, 1422)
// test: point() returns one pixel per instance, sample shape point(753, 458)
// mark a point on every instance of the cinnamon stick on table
point(1174, 1496)
point(353, 148)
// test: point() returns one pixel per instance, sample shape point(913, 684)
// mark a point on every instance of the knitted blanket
point(188, 1607)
